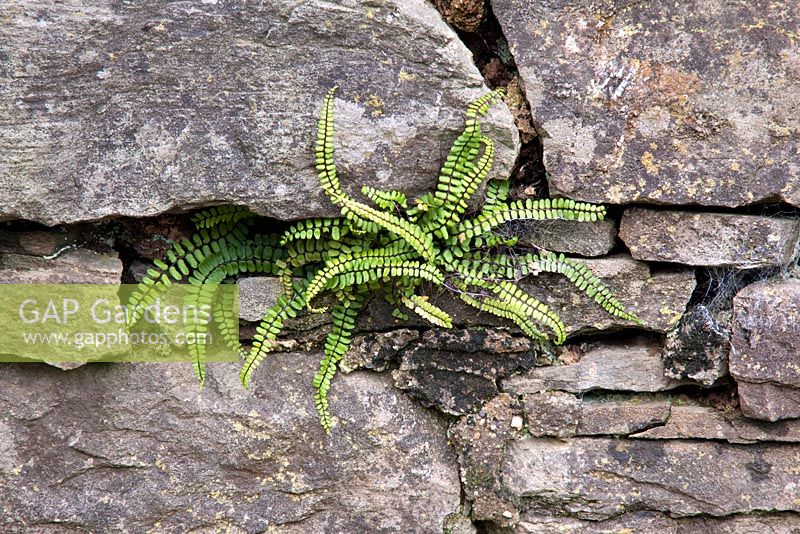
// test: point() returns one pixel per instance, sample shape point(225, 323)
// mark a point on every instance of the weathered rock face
point(600, 478)
point(710, 239)
point(458, 371)
point(786, 523)
point(698, 349)
point(595, 239)
point(626, 366)
point(151, 454)
point(562, 415)
point(763, 357)
point(76, 266)
point(134, 111)
point(660, 103)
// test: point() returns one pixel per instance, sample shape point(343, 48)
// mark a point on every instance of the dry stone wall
point(682, 117)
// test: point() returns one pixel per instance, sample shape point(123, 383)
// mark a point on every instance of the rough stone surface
point(75, 266)
point(765, 345)
point(655, 102)
point(647, 522)
point(710, 239)
point(595, 239)
point(377, 351)
point(481, 440)
point(148, 453)
point(257, 294)
point(37, 242)
point(769, 402)
point(624, 366)
point(596, 478)
point(706, 422)
point(457, 371)
point(137, 110)
point(621, 416)
point(698, 349)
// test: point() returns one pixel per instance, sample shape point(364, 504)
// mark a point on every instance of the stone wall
point(116, 119)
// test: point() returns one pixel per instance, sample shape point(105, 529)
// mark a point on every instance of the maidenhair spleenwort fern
point(385, 247)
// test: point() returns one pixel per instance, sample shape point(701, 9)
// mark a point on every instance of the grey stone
point(377, 350)
point(552, 413)
point(710, 239)
point(706, 422)
point(125, 111)
point(621, 416)
point(149, 453)
point(257, 294)
point(647, 522)
point(562, 415)
point(633, 365)
point(37, 242)
point(770, 402)
point(481, 440)
point(698, 349)
point(596, 478)
point(74, 266)
point(456, 371)
point(662, 103)
point(763, 356)
point(571, 237)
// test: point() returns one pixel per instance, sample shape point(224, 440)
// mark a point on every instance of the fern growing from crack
point(384, 247)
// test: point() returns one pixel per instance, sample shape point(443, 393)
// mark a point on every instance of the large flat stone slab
point(662, 103)
point(570, 237)
point(151, 453)
point(74, 266)
point(633, 365)
point(763, 357)
point(596, 478)
point(646, 522)
point(113, 109)
point(710, 239)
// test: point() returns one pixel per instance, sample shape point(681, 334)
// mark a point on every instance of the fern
point(390, 246)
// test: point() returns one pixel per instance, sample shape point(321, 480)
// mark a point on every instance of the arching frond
point(336, 345)
point(386, 200)
point(431, 313)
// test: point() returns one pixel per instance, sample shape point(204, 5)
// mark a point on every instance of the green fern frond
point(218, 215)
point(385, 200)
point(369, 267)
point(270, 327)
point(419, 240)
point(314, 229)
point(505, 310)
point(450, 213)
point(180, 260)
point(336, 345)
point(530, 307)
point(431, 313)
point(323, 151)
point(540, 210)
point(496, 194)
point(480, 107)
point(585, 280)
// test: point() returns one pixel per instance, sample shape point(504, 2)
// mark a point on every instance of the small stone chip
point(516, 422)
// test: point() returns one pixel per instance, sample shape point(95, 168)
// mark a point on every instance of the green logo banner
point(83, 322)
